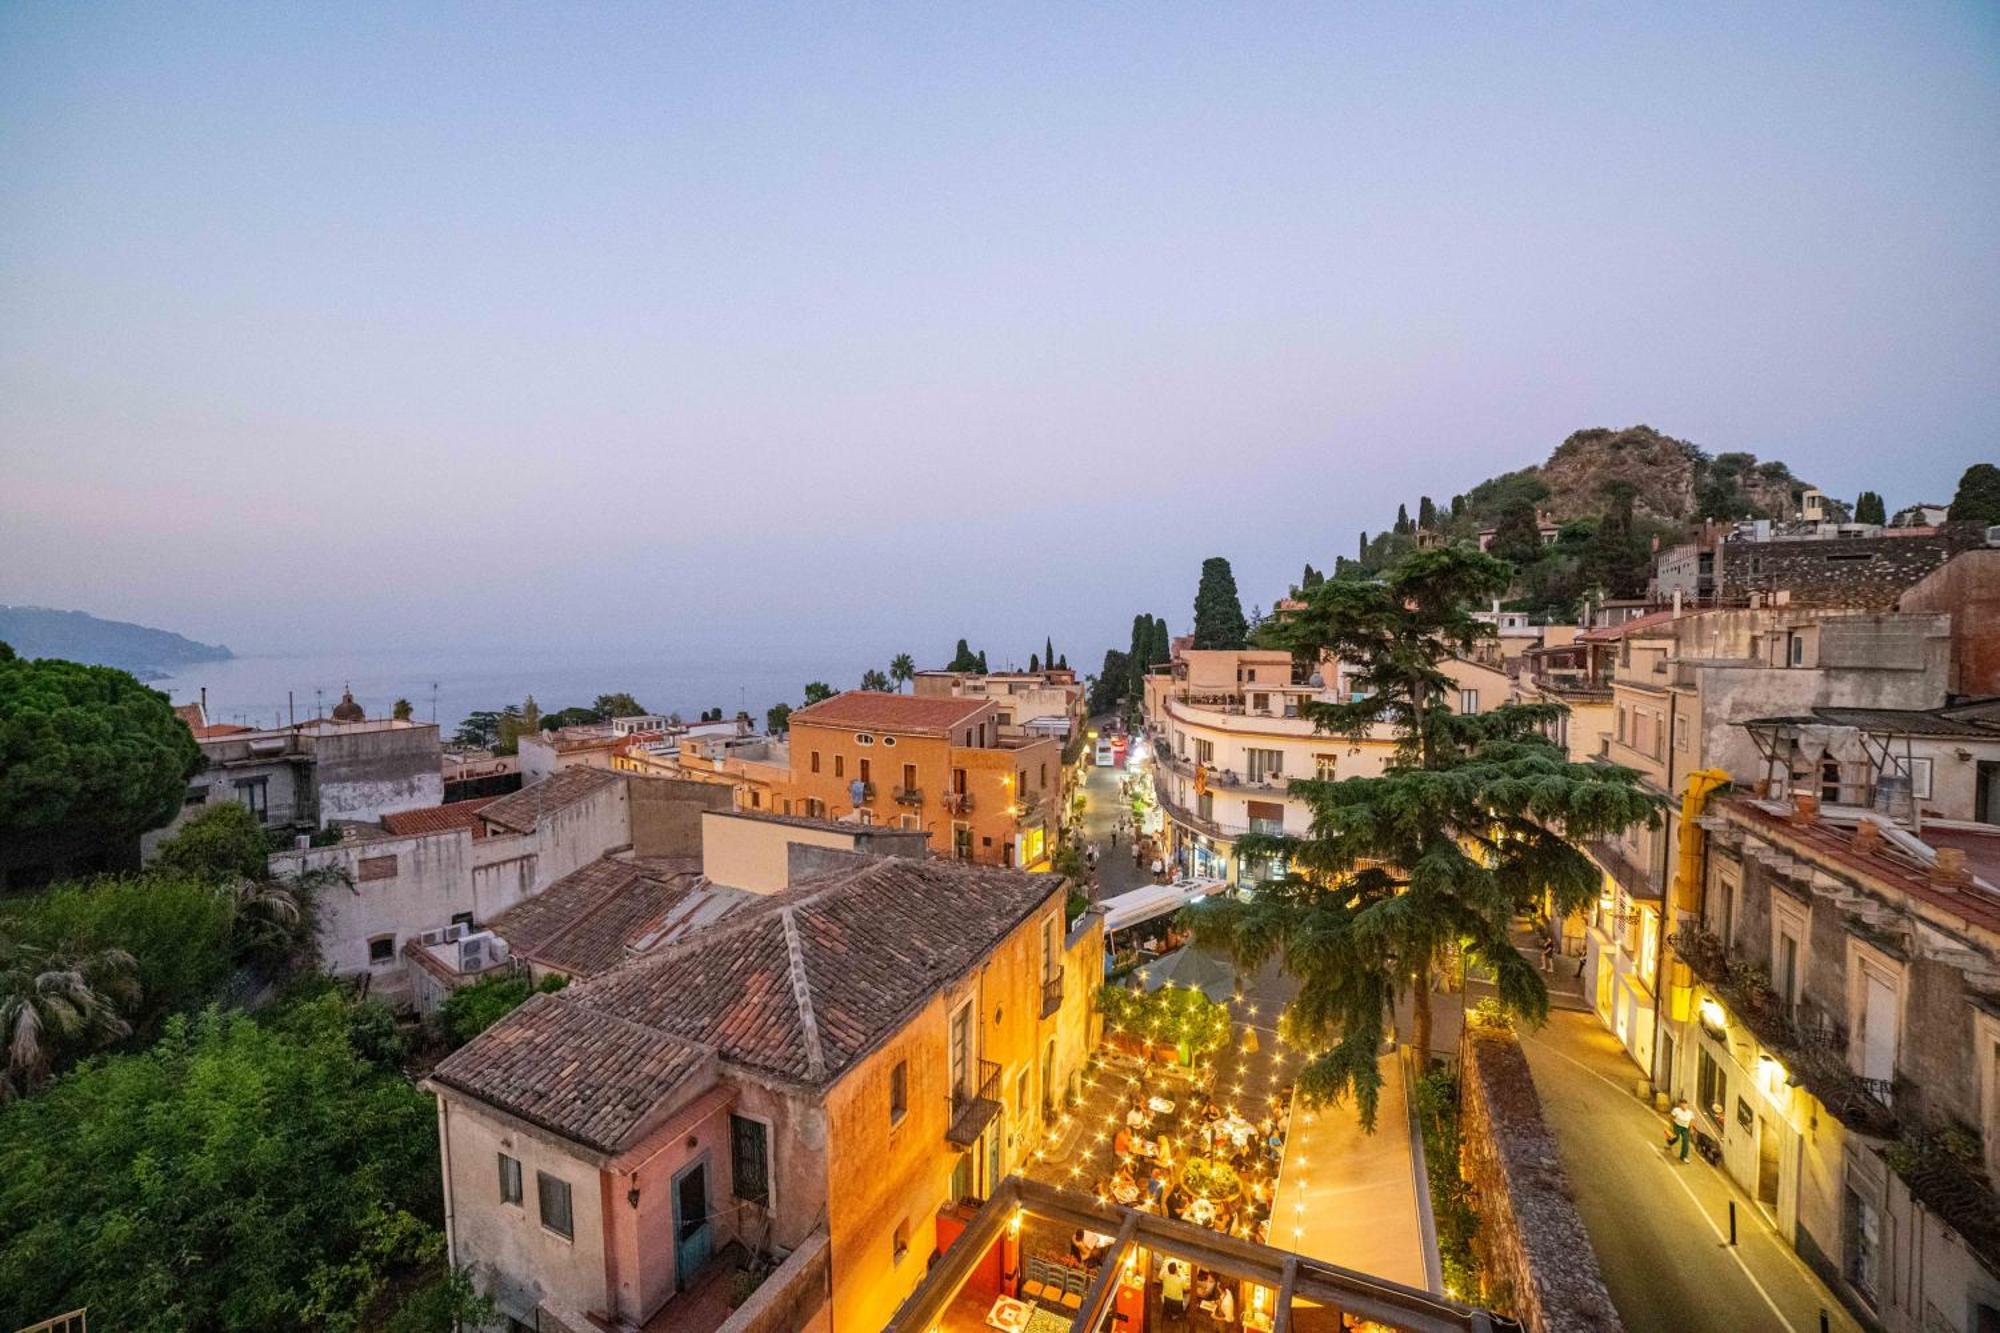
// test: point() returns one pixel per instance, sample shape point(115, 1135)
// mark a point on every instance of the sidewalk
point(1661, 1229)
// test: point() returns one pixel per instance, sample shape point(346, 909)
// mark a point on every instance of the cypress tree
point(1218, 612)
point(1868, 508)
point(1402, 520)
point(1049, 651)
point(1427, 514)
point(1034, 663)
point(982, 661)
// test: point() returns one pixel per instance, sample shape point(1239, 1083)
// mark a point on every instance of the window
point(1797, 650)
point(908, 822)
point(864, 773)
point(553, 1196)
point(1326, 766)
point(1205, 806)
point(889, 741)
point(1260, 703)
point(1265, 764)
point(255, 793)
point(863, 738)
point(1711, 1088)
point(510, 1180)
point(909, 777)
point(899, 1092)
point(1468, 701)
point(461, 918)
point(1680, 732)
point(382, 949)
point(750, 1160)
point(1785, 976)
point(1864, 1242)
point(815, 761)
point(1621, 723)
point(840, 765)
point(1021, 1094)
point(375, 867)
point(1920, 779)
point(1043, 780)
point(1204, 751)
point(900, 1245)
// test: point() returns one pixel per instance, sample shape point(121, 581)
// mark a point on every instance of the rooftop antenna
point(318, 702)
point(434, 701)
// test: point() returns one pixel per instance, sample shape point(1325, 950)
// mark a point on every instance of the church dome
point(347, 710)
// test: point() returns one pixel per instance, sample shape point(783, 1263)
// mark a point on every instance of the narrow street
point(1661, 1229)
point(1116, 872)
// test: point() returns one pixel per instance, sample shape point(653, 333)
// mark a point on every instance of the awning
point(1155, 900)
point(1192, 968)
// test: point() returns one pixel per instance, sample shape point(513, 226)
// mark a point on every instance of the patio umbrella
point(1189, 966)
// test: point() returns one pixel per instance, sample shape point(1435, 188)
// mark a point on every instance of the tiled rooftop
point(524, 808)
point(890, 712)
point(440, 818)
point(595, 918)
point(796, 986)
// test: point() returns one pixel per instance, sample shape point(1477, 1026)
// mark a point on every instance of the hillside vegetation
point(77, 636)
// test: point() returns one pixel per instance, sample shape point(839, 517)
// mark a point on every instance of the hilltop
point(78, 636)
point(1672, 480)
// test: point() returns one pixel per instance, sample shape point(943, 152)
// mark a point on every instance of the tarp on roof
point(1155, 900)
point(1192, 968)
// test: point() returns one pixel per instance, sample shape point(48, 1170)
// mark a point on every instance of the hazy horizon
point(764, 330)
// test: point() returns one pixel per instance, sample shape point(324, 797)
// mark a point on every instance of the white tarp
point(1130, 909)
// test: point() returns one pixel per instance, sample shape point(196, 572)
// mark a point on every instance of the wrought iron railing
point(909, 796)
point(1052, 994)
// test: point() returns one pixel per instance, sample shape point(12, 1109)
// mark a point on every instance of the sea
point(265, 690)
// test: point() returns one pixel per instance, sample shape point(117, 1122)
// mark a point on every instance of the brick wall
point(1868, 573)
point(1532, 1245)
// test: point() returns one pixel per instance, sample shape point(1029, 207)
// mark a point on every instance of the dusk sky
point(425, 324)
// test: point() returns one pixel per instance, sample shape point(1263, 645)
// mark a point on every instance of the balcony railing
point(972, 1109)
point(1815, 1052)
point(909, 796)
point(1052, 993)
point(958, 802)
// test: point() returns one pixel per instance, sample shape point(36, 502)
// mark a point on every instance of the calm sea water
point(252, 690)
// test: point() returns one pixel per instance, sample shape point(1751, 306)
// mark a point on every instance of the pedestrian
point(1159, 870)
point(1682, 1133)
point(1114, 837)
point(1548, 954)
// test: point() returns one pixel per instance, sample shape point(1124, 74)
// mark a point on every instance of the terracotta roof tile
point(797, 985)
point(891, 712)
point(440, 818)
point(524, 808)
point(595, 918)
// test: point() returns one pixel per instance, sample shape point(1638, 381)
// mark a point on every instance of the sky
point(759, 327)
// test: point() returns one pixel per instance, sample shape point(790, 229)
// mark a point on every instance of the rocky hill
point(77, 636)
point(1671, 479)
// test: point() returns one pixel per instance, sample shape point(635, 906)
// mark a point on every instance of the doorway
point(1767, 1165)
point(694, 1231)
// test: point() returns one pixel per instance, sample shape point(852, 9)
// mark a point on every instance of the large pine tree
point(1218, 612)
point(1400, 873)
point(1978, 498)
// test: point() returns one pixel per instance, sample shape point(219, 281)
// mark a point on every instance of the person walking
point(1682, 1135)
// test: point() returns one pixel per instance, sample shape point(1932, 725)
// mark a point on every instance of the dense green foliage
point(963, 660)
point(1451, 1196)
point(470, 1010)
point(902, 669)
point(778, 719)
point(1113, 684)
point(237, 1175)
point(817, 690)
point(87, 752)
point(222, 841)
point(1978, 497)
point(1868, 508)
point(1218, 611)
point(875, 680)
point(1173, 1015)
point(1402, 873)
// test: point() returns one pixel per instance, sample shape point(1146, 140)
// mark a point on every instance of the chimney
point(1948, 871)
point(1805, 807)
point(1867, 837)
point(1677, 601)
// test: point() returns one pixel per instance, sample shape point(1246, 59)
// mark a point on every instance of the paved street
point(1660, 1229)
point(1115, 871)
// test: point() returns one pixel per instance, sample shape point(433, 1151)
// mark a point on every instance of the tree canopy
point(221, 841)
point(817, 690)
point(87, 752)
point(1868, 508)
point(963, 660)
point(778, 719)
point(1400, 873)
point(1218, 611)
point(237, 1175)
point(1978, 497)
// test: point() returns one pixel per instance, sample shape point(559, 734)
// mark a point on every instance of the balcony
point(1052, 993)
point(973, 1109)
point(909, 796)
point(958, 802)
point(866, 790)
point(1814, 1052)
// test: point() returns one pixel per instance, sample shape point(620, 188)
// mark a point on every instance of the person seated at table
point(1135, 1118)
point(1211, 1112)
point(1274, 1145)
point(1225, 1306)
point(1204, 1140)
point(1261, 1231)
point(1206, 1289)
point(1121, 1142)
point(1156, 1187)
point(1178, 1200)
point(1080, 1249)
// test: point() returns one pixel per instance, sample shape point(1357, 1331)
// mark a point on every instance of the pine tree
point(1978, 497)
point(1163, 644)
point(1427, 514)
point(1434, 857)
point(1868, 508)
point(1458, 506)
point(1218, 612)
point(1517, 538)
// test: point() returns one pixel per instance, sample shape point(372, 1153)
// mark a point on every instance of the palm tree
point(871, 679)
point(902, 670)
point(53, 1002)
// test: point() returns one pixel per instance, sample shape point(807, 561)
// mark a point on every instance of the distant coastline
point(77, 636)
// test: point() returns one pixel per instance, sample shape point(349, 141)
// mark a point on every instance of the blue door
point(694, 1232)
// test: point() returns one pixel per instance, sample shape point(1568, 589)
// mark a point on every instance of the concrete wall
point(364, 773)
point(666, 814)
point(795, 1298)
point(1967, 588)
point(753, 854)
point(1532, 1243)
point(516, 1260)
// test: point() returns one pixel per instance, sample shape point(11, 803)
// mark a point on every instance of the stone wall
point(1867, 573)
point(793, 1298)
point(1532, 1244)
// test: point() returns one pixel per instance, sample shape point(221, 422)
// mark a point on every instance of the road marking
point(1722, 1236)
